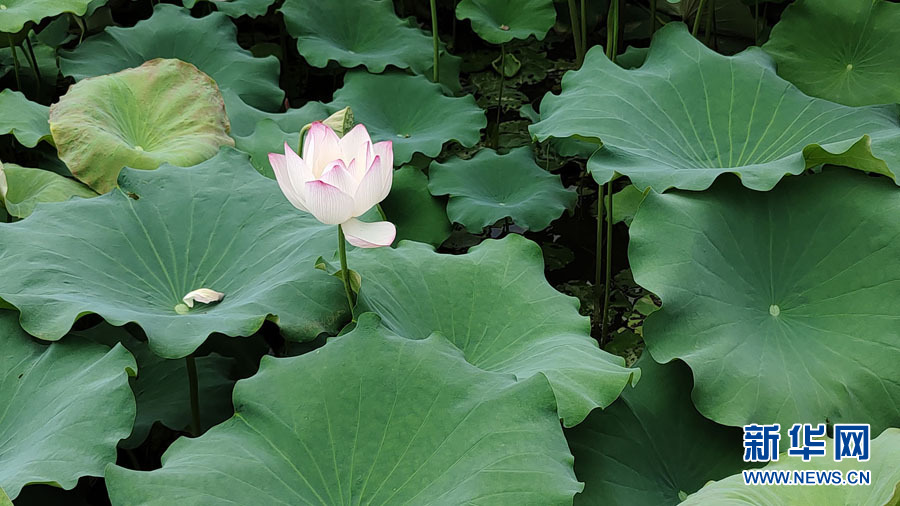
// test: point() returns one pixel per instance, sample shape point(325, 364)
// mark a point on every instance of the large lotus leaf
point(245, 118)
point(208, 42)
point(354, 32)
point(841, 51)
point(500, 21)
point(25, 119)
point(417, 215)
point(370, 418)
point(17, 13)
point(651, 446)
point(778, 300)
point(495, 305)
point(690, 114)
point(237, 8)
point(421, 122)
point(63, 408)
point(883, 491)
point(22, 188)
point(106, 123)
point(161, 387)
point(489, 187)
point(139, 250)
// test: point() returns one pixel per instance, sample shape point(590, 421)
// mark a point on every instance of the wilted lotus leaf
point(165, 111)
point(373, 418)
point(884, 489)
point(495, 305)
point(162, 234)
point(22, 188)
point(14, 14)
point(781, 302)
point(209, 43)
point(489, 187)
point(63, 407)
point(353, 33)
point(419, 123)
point(499, 21)
point(689, 114)
point(843, 51)
point(25, 119)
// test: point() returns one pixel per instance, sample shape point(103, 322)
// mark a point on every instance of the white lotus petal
point(202, 295)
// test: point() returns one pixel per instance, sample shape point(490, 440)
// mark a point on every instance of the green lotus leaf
point(17, 13)
point(883, 491)
point(209, 43)
point(372, 418)
point(490, 187)
point(22, 188)
point(64, 408)
point(161, 386)
point(267, 138)
point(690, 114)
point(237, 8)
point(417, 215)
point(495, 305)
point(4, 499)
point(776, 300)
point(245, 118)
point(141, 248)
point(122, 120)
point(652, 445)
point(354, 33)
point(843, 51)
point(25, 119)
point(500, 21)
point(625, 204)
point(420, 123)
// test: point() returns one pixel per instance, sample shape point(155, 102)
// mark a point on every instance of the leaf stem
point(576, 32)
point(612, 30)
point(345, 272)
point(696, 28)
point(194, 388)
point(434, 35)
point(604, 326)
point(583, 23)
point(12, 48)
point(598, 261)
point(500, 93)
point(34, 64)
point(652, 17)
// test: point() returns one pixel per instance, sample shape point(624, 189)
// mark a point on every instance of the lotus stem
point(12, 48)
point(434, 35)
point(598, 262)
point(710, 20)
point(500, 93)
point(34, 64)
point(652, 17)
point(612, 30)
point(576, 32)
point(345, 272)
point(696, 28)
point(194, 388)
point(583, 24)
point(604, 325)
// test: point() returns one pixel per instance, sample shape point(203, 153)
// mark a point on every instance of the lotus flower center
point(849, 66)
point(774, 310)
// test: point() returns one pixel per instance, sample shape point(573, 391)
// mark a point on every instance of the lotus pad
point(354, 32)
point(26, 120)
point(417, 215)
point(496, 306)
point(490, 187)
point(419, 123)
point(209, 43)
point(125, 120)
point(884, 489)
point(777, 300)
point(139, 250)
point(22, 188)
point(844, 51)
point(17, 13)
point(63, 408)
point(371, 418)
point(499, 21)
point(690, 114)
point(651, 445)
point(237, 8)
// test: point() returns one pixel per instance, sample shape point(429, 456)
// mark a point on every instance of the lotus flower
point(339, 179)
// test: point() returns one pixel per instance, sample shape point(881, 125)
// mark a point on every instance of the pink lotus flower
point(338, 180)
